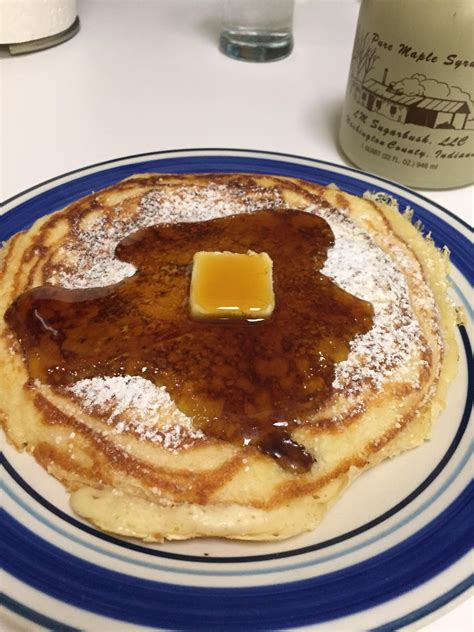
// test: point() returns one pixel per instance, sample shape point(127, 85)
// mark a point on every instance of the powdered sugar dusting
point(360, 267)
point(136, 405)
point(91, 254)
point(187, 204)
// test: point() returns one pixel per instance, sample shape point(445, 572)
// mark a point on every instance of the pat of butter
point(230, 285)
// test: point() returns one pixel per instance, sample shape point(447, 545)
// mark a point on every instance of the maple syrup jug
point(409, 107)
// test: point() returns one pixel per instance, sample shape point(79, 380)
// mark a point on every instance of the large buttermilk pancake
point(138, 465)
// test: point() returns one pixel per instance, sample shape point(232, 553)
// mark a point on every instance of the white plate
point(393, 551)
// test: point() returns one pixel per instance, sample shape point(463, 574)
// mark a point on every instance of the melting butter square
point(232, 285)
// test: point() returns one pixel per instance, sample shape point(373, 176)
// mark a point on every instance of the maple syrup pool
point(241, 381)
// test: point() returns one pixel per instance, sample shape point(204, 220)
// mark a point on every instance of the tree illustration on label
point(363, 59)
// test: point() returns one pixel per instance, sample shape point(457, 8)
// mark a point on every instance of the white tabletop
point(145, 75)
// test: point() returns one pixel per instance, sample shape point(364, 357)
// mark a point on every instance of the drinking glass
point(257, 30)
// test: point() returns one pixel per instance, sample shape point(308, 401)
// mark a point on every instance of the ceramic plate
point(391, 553)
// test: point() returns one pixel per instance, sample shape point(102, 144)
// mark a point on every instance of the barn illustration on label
point(417, 100)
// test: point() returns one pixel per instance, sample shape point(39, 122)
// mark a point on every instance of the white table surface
point(146, 75)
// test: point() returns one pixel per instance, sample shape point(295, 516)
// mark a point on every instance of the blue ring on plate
point(415, 615)
point(291, 604)
point(35, 617)
point(424, 611)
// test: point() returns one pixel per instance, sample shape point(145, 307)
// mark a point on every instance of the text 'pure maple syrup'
point(243, 381)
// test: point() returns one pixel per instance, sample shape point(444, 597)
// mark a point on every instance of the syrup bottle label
point(409, 107)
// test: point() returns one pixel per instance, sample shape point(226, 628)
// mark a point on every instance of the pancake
point(138, 464)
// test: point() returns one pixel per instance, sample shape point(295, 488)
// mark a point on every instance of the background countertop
point(147, 75)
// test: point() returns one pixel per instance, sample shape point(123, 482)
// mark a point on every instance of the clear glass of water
point(257, 30)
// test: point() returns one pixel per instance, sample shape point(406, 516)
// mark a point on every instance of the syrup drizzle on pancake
point(247, 383)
